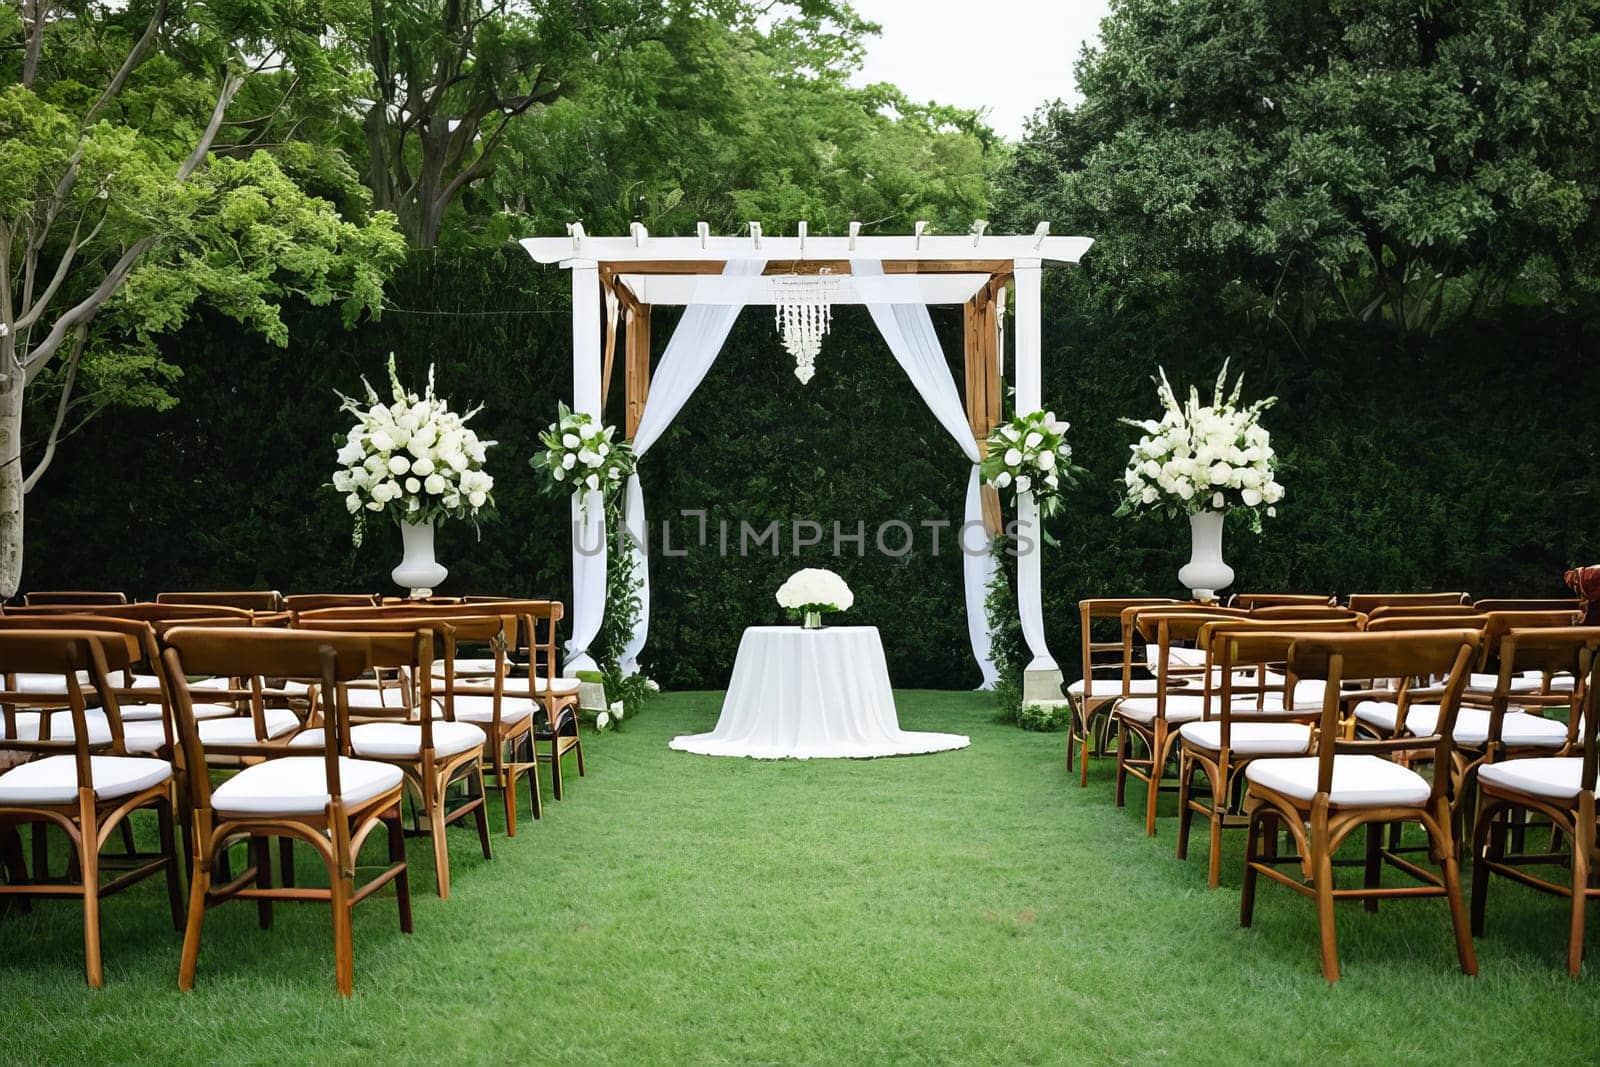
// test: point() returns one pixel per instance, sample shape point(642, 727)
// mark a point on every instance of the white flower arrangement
point(1030, 454)
point(580, 453)
point(1215, 457)
point(412, 459)
point(815, 590)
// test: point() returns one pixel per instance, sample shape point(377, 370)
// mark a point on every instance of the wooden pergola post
point(636, 363)
point(981, 347)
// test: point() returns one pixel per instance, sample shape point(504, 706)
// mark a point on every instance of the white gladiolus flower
point(352, 503)
point(382, 442)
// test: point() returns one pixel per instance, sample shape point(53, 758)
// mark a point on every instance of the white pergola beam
point(679, 289)
point(778, 250)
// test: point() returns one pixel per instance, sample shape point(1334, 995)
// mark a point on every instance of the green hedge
point(1460, 461)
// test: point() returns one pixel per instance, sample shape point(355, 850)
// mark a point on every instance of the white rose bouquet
point(412, 460)
point(1030, 454)
point(813, 591)
point(580, 452)
point(1215, 457)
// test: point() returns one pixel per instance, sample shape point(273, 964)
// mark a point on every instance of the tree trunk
point(11, 492)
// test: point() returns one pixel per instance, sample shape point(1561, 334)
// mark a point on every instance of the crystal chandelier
point(804, 304)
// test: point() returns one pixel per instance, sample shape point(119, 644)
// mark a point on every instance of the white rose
point(457, 461)
point(477, 499)
point(1272, 493)
point(1046, 460)
point(342, 481)
point(1024, 483)
point(351, 452)
point(1052, 481)
point(382, 442)
point(1013, 458)
point(422, 466)
point(374, 505)
point(568, 461)
point(1149, 495)
point(1251, 497)
point(352, 503)
point(413, 486)
point(435, 484)
point(1002, 479)
point(399, 465)
point(1184, 489)
point(1032, 440)
point(569, 440)
point(1220, 474)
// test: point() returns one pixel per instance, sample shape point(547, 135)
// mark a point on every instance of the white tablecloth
point(811, 694)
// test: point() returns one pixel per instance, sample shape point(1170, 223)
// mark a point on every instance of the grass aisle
point(970, 906)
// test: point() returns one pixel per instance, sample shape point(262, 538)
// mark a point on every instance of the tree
point(118, 215)
point(1365, 159)
point(732, 122)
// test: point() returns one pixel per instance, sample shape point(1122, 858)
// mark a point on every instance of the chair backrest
point(1428, 611)
point(1235, 645)
point(1412, 623)
point(1446, 654)
point(1249, 601)
point(246, 599)
point(1548, 650)
point(62, 653)
point(316, 601)
point(252, 652)
point(1366, 602)
point(1101, 609)
point(1528, 604)
point(145, 610)
point(72, 596)
point(537, 623)
point(1159, 627)
point(1284, 613)
point(1496, 624)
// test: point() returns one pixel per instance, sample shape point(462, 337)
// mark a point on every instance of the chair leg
point(125, 831)
point(555, 764)
point(1219, 810)
point(286, 862)
point(1327, 935)
point(1083, 762)
point(1374, 868)
point(480, 814)
point(441, 849)
point(341, 890)
point(577, 746)
point(169, 850)
point(1488, 843)
point(1186, 769)
point(535, 791)
point(1247, 891)
point(1458, 909)
point(89, 866)
point(261, 856)
point(1122, 764)
point(397, 854)
point(1580, 898)
point(1158, 767)
point(199, 886)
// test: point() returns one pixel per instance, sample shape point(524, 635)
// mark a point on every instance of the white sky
point(1009, 56)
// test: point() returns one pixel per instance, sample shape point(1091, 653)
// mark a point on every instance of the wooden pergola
point(616, 281)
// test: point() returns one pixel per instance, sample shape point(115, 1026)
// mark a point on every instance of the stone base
point(1042, 687)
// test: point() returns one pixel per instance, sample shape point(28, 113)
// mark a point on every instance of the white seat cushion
point(61, 726)
point(298, 785)
point(1112, 687)
point(391, 739)
point(1358, 781)
point(54, 779)
point(389, 697)
point(1472, 727)
point(1561, 683)
point(234, 730)
point(1176, 656)
point(1526, 682)
point(1555, 777)
point(480, 709)
point(468, 667)
point(1181, 707)
point(556, 686)
point(154, 712)
point(1250, 738)
point(56, 684)
point(1378, 713)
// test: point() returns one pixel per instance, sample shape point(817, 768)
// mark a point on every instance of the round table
point(811, 694)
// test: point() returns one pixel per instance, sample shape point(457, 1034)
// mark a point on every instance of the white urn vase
point(418, 572)
point(1205, 573)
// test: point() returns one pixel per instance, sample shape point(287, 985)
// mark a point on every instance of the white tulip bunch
point(1030, 454)
point(582, 453)
point(412, 459)
point(815, 589)
point(1197, 457)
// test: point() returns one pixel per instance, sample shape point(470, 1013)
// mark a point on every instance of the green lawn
point(972, 906)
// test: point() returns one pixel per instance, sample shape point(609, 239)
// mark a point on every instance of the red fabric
point(1585, 581)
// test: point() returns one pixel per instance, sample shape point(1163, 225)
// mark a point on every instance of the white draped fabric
point(694, 347)
point(908, 331)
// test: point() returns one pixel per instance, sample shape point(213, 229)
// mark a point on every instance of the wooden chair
point(1082, 698)
point(296, 602)
point(1560, 787)
point(74, 597)
point(85, 788)
point(1345, 786)
point(247, 599)
point(1151, 721)
point(1436, 611)
point(330, 801)
point(434, 751)
point(1250, 601)
point(1245, 720)
point(1367, 602)
point(1289, 613)
point(508, 718)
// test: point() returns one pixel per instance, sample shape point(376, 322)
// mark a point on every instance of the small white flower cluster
point(1198, 457)
point(581, 453)
point(413, 459)
point(1030, 454)
point(815, 589)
